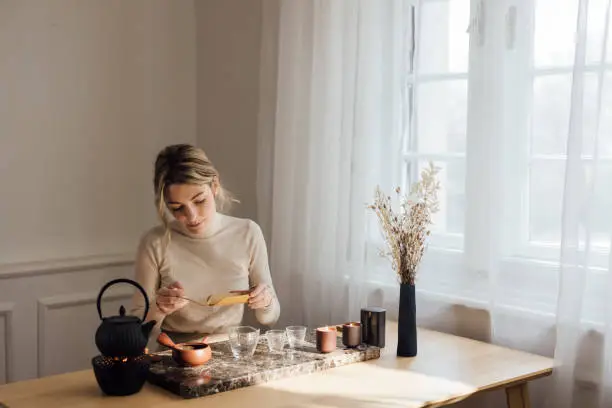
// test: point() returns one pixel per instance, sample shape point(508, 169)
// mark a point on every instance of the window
point(551, 81)
point(490, 106)
point(437, 121)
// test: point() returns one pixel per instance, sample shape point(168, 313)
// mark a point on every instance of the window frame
point(531, 268)
point(516, 241)
point(522, 246)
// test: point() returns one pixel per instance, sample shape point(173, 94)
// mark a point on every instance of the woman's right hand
point(169, 300)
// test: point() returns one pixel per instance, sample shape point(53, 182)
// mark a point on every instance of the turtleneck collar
point(214, 225)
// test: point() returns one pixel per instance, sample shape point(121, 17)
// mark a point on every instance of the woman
point(199, 251)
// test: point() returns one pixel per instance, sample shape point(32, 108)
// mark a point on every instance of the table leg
point(517, 396)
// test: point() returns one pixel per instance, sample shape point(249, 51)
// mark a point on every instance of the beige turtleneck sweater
point(231, 255)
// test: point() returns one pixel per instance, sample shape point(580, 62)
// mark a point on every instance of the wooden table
point(448, 369)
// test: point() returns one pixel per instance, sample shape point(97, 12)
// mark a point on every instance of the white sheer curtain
point(537, 231)
point(584, 337)
point(516, 111)
point(336, 133)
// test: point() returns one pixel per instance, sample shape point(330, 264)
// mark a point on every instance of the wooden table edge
point(496, 386)
point(518, 380)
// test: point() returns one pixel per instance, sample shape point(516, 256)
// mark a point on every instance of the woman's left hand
point(260, 296)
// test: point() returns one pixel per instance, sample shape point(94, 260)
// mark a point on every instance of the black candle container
point(373, 326)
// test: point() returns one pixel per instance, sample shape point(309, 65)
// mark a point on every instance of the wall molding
point(6, 312)
point(47, 304)
point(54, 266)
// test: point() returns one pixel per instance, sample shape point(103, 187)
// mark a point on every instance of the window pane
point(551, 108)
point(451, 217)
point(547, 178)
point(555, 28)
point(546, 185)
point(590, 119)
point(555, 31)
point(601, 222)
point(551, 114)
point(443, 41)
point(605, 121)
point(596, 27)
point(609, 42)
point(441, 116)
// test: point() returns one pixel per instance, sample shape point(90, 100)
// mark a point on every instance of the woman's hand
point(260, 296)
point(169, 300)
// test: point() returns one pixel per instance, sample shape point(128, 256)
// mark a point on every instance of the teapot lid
point(122, 318)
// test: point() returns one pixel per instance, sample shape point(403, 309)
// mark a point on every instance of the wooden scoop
point(225, 299)
point(165, 340)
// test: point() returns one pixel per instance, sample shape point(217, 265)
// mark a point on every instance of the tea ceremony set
point(195, 369)
point(370, 363)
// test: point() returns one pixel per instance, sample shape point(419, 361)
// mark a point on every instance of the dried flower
point(406, 231)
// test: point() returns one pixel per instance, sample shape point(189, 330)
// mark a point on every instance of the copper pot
point(190, 354)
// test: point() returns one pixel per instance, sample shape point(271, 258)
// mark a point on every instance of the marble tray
point(223, 373)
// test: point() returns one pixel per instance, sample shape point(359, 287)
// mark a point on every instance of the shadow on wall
point(460, 320)
point(589, 369)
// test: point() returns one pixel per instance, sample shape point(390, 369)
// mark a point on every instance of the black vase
point(407, 329)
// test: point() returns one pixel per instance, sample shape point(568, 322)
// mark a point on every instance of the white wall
point(89, 92)
point(228, 38)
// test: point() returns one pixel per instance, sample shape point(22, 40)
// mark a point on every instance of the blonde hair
point(186, 164)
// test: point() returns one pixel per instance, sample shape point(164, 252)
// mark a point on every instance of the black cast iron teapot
point(123, 336)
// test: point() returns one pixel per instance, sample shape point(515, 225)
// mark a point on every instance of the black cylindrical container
point(373, 326)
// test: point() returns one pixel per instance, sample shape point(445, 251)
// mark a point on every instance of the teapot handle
point(124, 280)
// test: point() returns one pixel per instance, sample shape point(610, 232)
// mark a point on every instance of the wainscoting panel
point(6, 349)
point(48, 314)
point(66, 330)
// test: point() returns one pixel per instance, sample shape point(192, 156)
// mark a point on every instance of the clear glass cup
point(276, 340)
point(295, 335)
point(243, 341)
